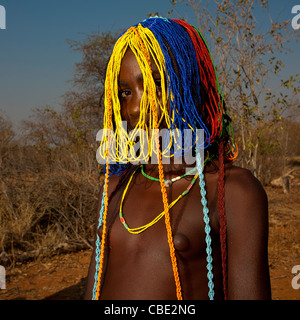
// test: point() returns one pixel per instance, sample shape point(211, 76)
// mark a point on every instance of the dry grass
point(46, 208)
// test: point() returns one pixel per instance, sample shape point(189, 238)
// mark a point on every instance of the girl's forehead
point(130, 62)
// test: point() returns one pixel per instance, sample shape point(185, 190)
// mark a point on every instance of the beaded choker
point(148, 225)
point(169, 182)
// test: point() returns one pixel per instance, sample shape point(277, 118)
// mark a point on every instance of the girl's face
point(131, 89)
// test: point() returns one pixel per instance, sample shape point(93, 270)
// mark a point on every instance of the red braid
point(208, 77)
point(222, 216)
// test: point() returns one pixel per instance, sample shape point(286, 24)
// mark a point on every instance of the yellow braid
point(139, 40)
point(134, 39)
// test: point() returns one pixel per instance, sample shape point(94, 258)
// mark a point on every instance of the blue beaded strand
point(183, 100)
point(207, 229)
point(98, 245)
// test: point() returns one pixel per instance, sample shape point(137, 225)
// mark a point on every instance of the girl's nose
point(134, 108)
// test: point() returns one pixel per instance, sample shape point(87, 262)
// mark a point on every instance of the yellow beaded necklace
point(156, 219)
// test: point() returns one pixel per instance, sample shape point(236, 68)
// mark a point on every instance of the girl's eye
point(158, 82)
point(124, 93)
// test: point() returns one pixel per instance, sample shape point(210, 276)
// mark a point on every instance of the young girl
point(168, 228)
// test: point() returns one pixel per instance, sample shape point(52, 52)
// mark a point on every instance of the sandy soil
point(63, 277)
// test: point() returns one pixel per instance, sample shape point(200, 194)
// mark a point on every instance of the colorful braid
point(97, 248)
point(143, 44)
point(209, 80)
point(105, 193)
point(103, 239)
point(181, 66)
point(96, 288)
point(206, 219)
point(222, 217)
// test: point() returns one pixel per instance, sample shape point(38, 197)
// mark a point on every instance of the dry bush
point(48, 197)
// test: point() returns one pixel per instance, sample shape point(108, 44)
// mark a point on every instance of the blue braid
point(209, 258)
point(98, 244)
point(183, 51)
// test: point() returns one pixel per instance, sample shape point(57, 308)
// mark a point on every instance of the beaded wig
point(191, 99)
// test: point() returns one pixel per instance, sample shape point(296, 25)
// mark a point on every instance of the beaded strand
point(156, 219)
point(98, 246)
point(167, 182)
point(207, 229)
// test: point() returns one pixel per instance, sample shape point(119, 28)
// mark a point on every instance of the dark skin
point(139, 266)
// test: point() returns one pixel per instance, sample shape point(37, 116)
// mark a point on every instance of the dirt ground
point(63, 277)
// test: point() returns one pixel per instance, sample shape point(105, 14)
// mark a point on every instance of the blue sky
point(36, 62)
